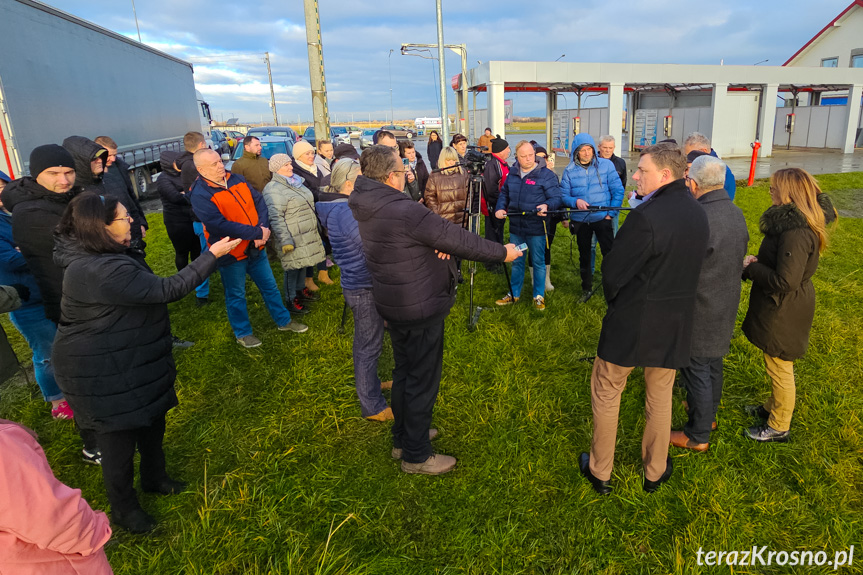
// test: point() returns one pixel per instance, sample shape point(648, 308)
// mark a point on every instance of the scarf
point(313, 169)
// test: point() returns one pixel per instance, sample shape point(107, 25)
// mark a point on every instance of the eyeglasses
point(127, 218)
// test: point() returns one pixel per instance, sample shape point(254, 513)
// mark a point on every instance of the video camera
point(474, 161)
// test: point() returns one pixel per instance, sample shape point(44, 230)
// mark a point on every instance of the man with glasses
point(408, 249)
point(649, 280)
point(716, 303)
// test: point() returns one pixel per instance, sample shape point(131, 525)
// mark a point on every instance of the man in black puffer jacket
point(37, 203)
point(408, 249)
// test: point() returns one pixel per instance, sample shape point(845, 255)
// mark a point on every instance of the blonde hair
point(793, 185)
point(449, 154)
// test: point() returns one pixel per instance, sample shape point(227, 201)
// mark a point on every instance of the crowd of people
point(74, 275)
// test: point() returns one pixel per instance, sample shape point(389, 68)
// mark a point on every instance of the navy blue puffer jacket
point(518, 194)
point(344, 233)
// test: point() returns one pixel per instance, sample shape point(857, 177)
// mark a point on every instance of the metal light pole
point(135, 13)
point(390, 65)
point(444, 116)
point(272, 93)
point(316, 70)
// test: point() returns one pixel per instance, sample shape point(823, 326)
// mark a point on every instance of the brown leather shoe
point(679, 439)
point(385, 415)
point(387, 384)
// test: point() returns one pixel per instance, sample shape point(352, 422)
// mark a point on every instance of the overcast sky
point(359, 34)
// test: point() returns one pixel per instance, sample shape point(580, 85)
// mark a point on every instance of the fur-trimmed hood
point(780, 219)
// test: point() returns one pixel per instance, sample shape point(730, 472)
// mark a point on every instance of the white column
point(719, 104)
point(769, 93)
point(550, 107)
point(615, 115)
point(854, 94)
point(495, 93)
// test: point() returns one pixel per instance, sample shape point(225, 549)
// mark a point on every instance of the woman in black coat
point(782, 300)
point(433, 149)
point(112, 353)
point(177, 212)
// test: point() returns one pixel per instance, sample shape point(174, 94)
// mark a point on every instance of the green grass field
point(286, 477)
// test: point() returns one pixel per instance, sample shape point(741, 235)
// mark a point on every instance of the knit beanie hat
point(343, 171)
point(498, 145)
point(4, 177)
point(301, 148)
point(278, 161)
point(346, 151)
point(50, 156)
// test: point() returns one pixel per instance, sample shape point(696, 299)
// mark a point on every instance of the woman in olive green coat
point(782, 300)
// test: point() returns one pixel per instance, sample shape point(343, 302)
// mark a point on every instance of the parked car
point(220, 142)
point(399, 131)
point(270, 145)
point(355, 131)
point(278, 131)
point(341, 135)
point(366, 138)
point(338, 135)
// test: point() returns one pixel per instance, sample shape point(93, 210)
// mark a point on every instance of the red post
point(755, 147)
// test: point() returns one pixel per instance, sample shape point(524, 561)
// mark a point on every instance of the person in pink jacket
point(46, 528)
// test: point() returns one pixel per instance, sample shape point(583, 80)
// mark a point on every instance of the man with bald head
point(228, 207)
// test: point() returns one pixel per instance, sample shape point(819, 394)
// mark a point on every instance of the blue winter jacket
point(344, 233)
point(598, 183)
point(13, 266)
point(518, 194)
point(730, 182)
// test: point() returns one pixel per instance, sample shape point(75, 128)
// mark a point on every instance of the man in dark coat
point(493, 178)
point(716, 303)
point(649, 280)
point(37, 204)
point(118, 184)
point(408, 249)
point(192, 142)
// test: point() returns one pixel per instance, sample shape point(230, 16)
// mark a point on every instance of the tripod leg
point(341, 329)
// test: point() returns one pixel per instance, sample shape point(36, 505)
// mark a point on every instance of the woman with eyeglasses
point(112, 354)
point(782, 300)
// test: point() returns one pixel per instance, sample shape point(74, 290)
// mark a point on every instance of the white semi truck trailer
point(62, 76)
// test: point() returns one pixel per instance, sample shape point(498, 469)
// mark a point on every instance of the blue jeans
point(615, 221)
point(368, 342)
point(234, 281)
point(295, 281)
point(39, 333)
point(536, 253)
point(203, 290)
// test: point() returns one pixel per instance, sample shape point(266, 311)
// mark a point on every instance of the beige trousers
point(781, 402)
point(606, 386)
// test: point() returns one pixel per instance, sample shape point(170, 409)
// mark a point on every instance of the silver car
point(366, 139)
